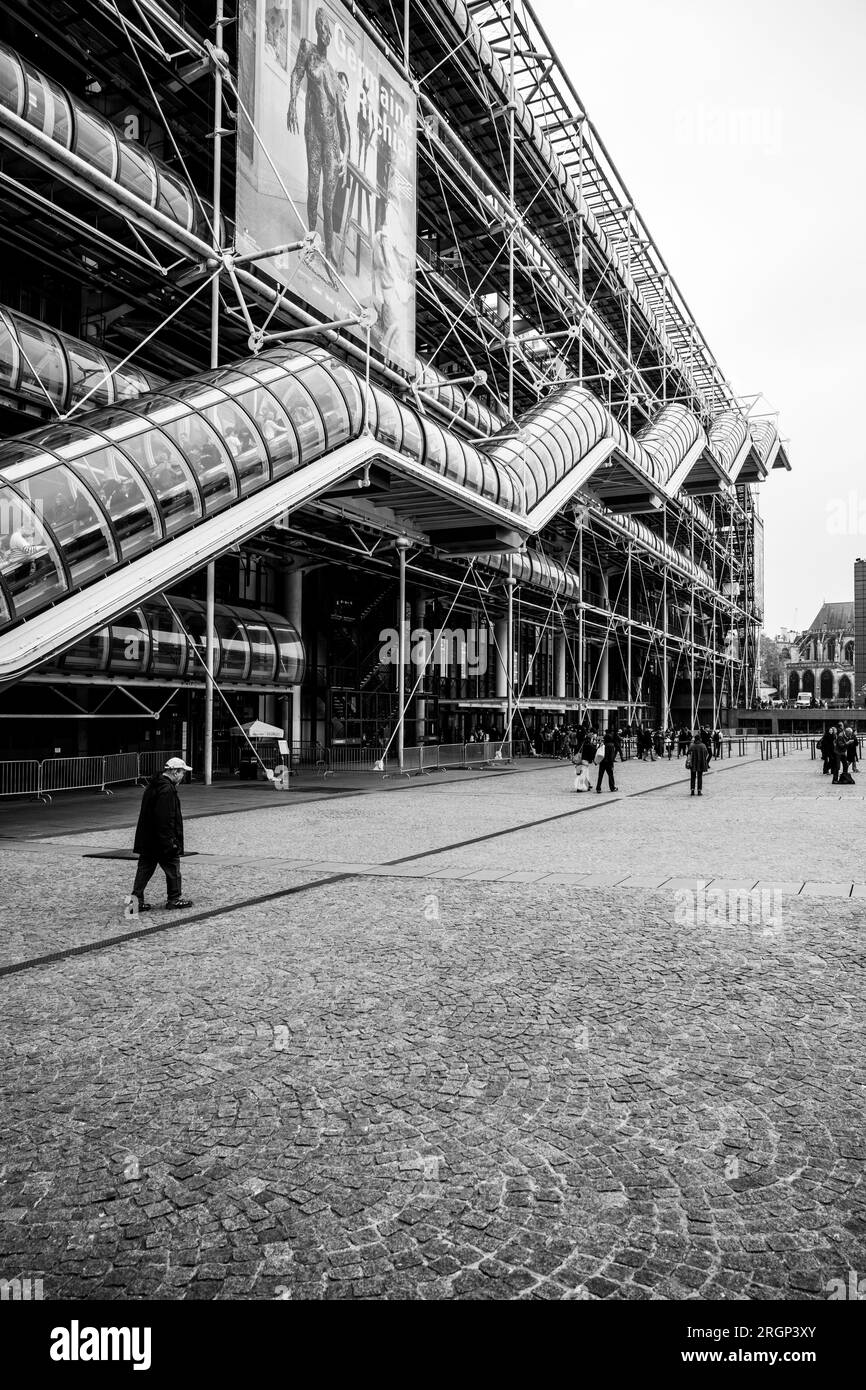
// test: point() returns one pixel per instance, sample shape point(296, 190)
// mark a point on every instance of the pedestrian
point(159, 835)
point(717, 742)
point(606, 764)
point(697, 761)
point(851, 740)
point(842, 757)
point(826, 745)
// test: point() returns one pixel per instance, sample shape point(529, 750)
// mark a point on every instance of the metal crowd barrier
point(20, 779)
point(40, 780)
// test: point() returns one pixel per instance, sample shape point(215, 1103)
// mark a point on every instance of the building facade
point(208, 471)
point(820, 661)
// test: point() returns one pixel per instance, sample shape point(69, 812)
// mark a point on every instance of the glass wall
point(51, 369)
point(130, 476)
point(252, 648)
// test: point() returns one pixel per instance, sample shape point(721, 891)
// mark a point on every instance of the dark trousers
point(697, 776)
point(170, 865)
point(834, 766)
point(603, 768)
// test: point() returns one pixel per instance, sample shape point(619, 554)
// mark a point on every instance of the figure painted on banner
point(326, 128)
point(392, 283)
point(276, 33)
point(384, 168)
point(365, 125)
point(343, 182)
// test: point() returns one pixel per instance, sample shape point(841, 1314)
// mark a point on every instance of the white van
point(804, 700)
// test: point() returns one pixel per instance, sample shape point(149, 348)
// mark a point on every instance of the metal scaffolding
point(534, 270)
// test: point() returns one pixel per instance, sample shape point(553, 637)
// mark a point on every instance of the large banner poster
point(335, 155)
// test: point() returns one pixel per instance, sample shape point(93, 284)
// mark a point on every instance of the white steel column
point(500, 632)
point(214, 361)
point(402, 546)
point(604, 663)
point(559, 665)
point(419, 622)
point(509, 585)
point(294, 606)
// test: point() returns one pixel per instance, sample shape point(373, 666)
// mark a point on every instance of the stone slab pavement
point(346, 1081)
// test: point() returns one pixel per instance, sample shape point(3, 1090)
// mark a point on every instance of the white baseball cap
point(177, 765)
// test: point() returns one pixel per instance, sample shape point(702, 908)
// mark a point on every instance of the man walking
point(159, 835)
point(606, 764)
point(698, 758)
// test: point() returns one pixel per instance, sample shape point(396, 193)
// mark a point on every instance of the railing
point(99, 772)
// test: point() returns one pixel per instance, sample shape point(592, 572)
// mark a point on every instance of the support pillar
point(559, 665)
point(604, 663)
point(293, 603)
point(509, 656)
point(419, 621)
point(402, 544)
point(501, 644)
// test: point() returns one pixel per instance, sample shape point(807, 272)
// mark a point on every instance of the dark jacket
point(610, 746)
point(698, 756)
point(159, 833)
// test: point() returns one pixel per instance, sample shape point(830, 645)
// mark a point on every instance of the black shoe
point(180, 902)
point(700, 793)
point(691, 793)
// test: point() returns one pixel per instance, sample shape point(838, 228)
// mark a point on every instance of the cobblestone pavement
point(340, 1084)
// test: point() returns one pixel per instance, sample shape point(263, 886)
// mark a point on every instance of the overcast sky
point(741, 132)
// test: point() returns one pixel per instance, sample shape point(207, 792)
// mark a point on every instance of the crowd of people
point(591, 751)
point(840, 751)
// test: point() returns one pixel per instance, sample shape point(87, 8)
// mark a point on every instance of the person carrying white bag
point(585, 760)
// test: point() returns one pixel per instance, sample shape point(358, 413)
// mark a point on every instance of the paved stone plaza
point(471, 1036)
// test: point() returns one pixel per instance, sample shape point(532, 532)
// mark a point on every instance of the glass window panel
point(136, 171)
point(193, 619)
point(413, 440)
point(170, 654)
point(329, 399)
point(77, 523)
point(160, 409)
point(42, 360)
point(129, 648)
point(351, 389)
point(290, 668)
point(9, 357)
point(234, 647)
point(46, 106)
point(456, 467)
point(120, 424)
point(11, 82)
point(436, 456)
point(5, 615)
point(195, 393)
point(89, 373)
point(88, 654)
point(390, 427)
point(169, 475)
point(243, 442)
point(173, 198)
point(124, 496)
point(29, 561)
point(262, 650)
point(274, 426)
point(206, 452)
point(95, 140)
point(67, 441)
point(303, 415)
point(129, 382)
